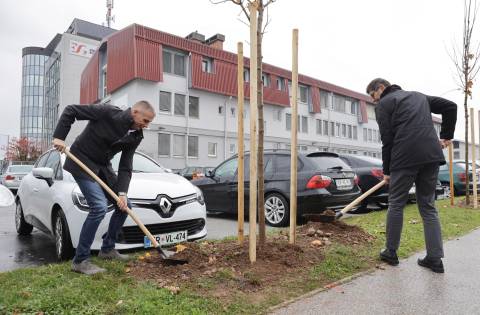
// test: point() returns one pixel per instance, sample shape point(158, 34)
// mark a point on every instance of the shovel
point(164, 254)
point(338, 215)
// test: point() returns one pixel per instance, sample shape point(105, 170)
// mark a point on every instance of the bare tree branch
point(267, 21)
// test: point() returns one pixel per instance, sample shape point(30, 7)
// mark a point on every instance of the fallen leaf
point(127, 270)
point(147, 255)
point(141, 258)
point(120, 302)
point(380, 267)
point(316, 243)
point(212, 259)
point(181, 248)
point(173, 289)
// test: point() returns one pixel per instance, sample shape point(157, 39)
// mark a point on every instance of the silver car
point(14, 175)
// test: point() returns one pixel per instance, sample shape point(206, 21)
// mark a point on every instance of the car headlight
point(80, 201)
point(200, 196)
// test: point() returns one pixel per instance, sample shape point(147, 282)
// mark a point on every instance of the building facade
point(51, 78)
point(192, 83)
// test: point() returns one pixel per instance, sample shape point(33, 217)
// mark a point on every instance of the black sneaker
point(389, 257)
point(435, 265)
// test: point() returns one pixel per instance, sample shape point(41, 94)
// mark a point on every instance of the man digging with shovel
point(412, 153)
point(108, 132)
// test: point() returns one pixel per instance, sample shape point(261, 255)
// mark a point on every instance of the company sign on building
point(81, 49)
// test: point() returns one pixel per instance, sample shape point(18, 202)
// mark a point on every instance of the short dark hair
point(144, 105)
point(375, 84)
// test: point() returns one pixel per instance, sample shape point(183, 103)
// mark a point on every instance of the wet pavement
point(408, 288)
point(22, 251)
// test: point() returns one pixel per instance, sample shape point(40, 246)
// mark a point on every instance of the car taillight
point(319, 181)
point(377, 172)
point(356, 179)
point(9, 177)
point(462, 177)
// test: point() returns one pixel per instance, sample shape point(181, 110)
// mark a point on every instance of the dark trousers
point(98, 203)
point(425, 179)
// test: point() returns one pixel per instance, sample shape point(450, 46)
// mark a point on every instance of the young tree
point(262, 7)
point(23, 149)
point(466, 64)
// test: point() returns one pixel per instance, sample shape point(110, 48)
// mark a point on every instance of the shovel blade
point(166, 257)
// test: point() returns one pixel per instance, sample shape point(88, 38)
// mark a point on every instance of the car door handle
point(35, 189)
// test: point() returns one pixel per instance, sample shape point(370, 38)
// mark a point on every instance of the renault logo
point(165, 205)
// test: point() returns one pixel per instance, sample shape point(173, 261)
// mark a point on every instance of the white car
point(169, 205)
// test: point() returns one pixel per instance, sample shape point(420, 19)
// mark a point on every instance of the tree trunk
point(261, 130)
point(467, 179)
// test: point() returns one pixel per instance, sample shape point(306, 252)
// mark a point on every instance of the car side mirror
point(209, 174)
point(45, 173)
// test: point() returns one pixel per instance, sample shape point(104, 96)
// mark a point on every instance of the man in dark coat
point(109, 131)
point(412, 153)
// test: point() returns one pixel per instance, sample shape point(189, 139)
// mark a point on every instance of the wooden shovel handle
point(363, 196)
point(114, 196)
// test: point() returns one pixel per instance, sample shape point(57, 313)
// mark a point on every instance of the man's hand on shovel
point(59, 145)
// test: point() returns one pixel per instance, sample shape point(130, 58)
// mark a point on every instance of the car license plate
point(343, 183)
point(167, 238)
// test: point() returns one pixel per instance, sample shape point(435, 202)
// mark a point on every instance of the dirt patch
point(218, 268)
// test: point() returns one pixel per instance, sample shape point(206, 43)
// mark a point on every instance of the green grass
point(54, 289)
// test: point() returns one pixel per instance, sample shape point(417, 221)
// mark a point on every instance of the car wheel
point(63, 243)
point(363, 208)
point(277, 211)
point(446, 191)
point(23, 228)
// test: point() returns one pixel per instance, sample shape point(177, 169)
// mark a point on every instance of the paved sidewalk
point(407, 289)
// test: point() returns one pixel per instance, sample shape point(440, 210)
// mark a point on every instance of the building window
point(232, 148)
point(337, 129)
point(178, 145)
point(339, 103)
point(365, 134)
point(265, 79)
point(304, 124)
point(370, 138)
point(332, 129)
point(179, 108)
point(350, 132)
point(319, 126)
point(370, 111)
point(303, 93)
point(164, 144)
point(104, 81)
point(280, 84)
point(354, 107)
point(324, 99)
point(246, 75)
point(325, 128)
point(193, 107)
point(212, 149)
point(220, 110)
point(207, 65)
point(165, 101)
point(173, 61)
point(355, 135)
point(344, 130)
point(232, 111)
point(192, 146)
point(456, 145)
point(375, 138)
point(456, 155)
point(288, 121)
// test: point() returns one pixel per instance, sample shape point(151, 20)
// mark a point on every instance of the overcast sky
point(344, 42)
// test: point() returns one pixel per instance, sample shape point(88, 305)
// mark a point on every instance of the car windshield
point(20, 168)
point(329, 162)
point(141, 164)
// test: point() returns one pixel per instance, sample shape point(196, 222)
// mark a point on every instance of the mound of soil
point(228, 263)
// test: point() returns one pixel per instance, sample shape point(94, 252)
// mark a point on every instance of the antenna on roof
point(110, 17)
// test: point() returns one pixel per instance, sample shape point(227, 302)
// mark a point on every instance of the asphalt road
point(39, 249)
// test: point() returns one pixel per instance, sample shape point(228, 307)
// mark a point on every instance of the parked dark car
point(324, 182)
point(370, 172)
point(190, 172)
point(459, 179)
point(441, 192)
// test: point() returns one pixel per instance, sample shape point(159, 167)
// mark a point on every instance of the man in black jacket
point(108, 132)
point(412, 153)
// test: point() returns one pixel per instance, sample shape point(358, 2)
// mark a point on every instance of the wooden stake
point(293, 148)
point(241, 157)
point(450, 170)
point(252, 237)
point(474, 163)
